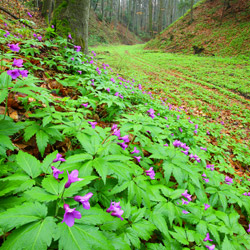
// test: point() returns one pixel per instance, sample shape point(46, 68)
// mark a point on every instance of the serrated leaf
point(132, 236)
point(51, 185)
point(9, 202)
point(81, 237)
point(3, 94)
point(42, 141)
point(171, 212)
point(8, 186)
point(30, 131)
point(79, 158)
point(159, 222)
point(176, 194)
point(178, 175)
point(86, 143)
point(223, 200)
point(144, 229)
point(40, 232)
point(20, 215)
point(226, 244)
point(39, 194)
point(213, 229)
point(29, 164)
point(101, 167)
point(138, 215)
point(8, 127)
point(46, 165)
point(202, 227)
point(6, 142)
point(119, 188)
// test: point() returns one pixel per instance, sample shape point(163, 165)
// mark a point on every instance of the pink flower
point(17, 63)
point(210, 247)
point(85, 104)
point(14, 47)
point(56, 172)
point(135, 151)
point(248, 230)
point(138, 158)
point(115, 208)
point(207, 238)
point(93, 124)
point(29, 14)
point(69, 36)
point(184, 202)
point(228, 180)
point(72, 177)
point(187, 196)
point(206, 206)
point(84, 200)
point(108, 90)
point(70, 215)
point(14, 73)
point(150, 173)
point(185, 212)
point(59, 158)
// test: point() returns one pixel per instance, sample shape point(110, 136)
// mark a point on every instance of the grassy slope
point(105, 33)
point(230, 38)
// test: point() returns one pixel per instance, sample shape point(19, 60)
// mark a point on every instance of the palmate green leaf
point(79, 158)
point(101, 167)
point(226, 244)
point(42, 140)
point(47, 162)
point(144, 229)
point(29, 164)
point(121, 170)
point(34, 236)
point(86, 142)
point(179, 235)
point(94, 216)
point(8, 127)
point(117, 241)
point(39, 194)
point(20, 215)
point(52, 185)
point(81, 237)
point(3, 94)
point(119, 188)
point(9, 202)
point(214, 231)
point(223, 200)
point(131, 235)
point(159, 221)
point(8, 186)
point(31, 130)
point(155, 246)
point(5, 80)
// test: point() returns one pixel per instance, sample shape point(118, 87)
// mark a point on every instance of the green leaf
point(213, 229)
point(138, 215)
point(86, 143)
point(79, 158)
point(3, 95)
point(46, 165)
point(9, 202)
point(160, 222)
point(223, 200)
point(42, 141)
point(6, 142)
point(202, 227)
point(20, 215)
point(40, 232)
point(30, 131)
point(132, 236)
point(176, 194)
point(226, 244)
point(101, 167)
point(51, 185)
point(5, 80)
point(178, 175)
point(180, 235)
point(8, 186)
point(29, 164)
point(144, 229)
point(119, 188)
point(8, 127)
point(81, 237)
point(39, 194)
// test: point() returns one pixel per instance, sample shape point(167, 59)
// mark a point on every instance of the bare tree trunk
point(191, 11)
point(160, 16)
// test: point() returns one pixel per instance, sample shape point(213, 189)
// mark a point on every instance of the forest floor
point(212, 88)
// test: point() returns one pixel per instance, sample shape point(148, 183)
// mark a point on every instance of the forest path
point(211, 87)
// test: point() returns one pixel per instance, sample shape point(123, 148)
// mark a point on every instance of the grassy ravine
point(201, 190)
point(214, 35)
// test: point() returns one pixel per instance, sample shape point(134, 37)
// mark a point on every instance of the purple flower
point(150, 173)
point(151, 111)
point(206, 179)
point(78, 48)
point(112, 80)
point(84, 200)
point(14, 47)
point(92, 124)
point(79, 71)
point(166, 145)
point(178, 117)
point(184, 202)
point(135, 151)
point(72, 58)
point(205, 149)
point(138, 158)
point(195, 131)
point(70, 215)
point(116, 93)
point(228, 180)
point(207, 238)
point(29, 14)
point(6, 34)
point(123, 145)
point(248, 230)
point(35, 35)
point(85, 105)
point(211, 167)
point(17, 63)
point(185, 212)
point(117, 132)
point(72, 177)
point(115, 208)
point(56, 172)
point(39, 38)
point(24, 73)
point(139, 86)
point(69, 36)
point(114, 126)
point(14, 73)
point(58, 158)
point(206, 206)
point(121, 96)
point(210, 247)
point(196, 126)
point(52, 26)
point(203, 175)
point(108, 90)
point(187, 196)
point(124, 138)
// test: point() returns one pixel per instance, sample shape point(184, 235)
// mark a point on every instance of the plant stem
point(57, 204)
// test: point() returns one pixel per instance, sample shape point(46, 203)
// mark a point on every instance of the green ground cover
point(93, 160)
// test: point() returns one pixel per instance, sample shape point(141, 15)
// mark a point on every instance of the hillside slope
point(105, 33)
point(216, 30)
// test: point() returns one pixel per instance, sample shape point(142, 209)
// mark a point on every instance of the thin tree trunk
point(191, 11)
